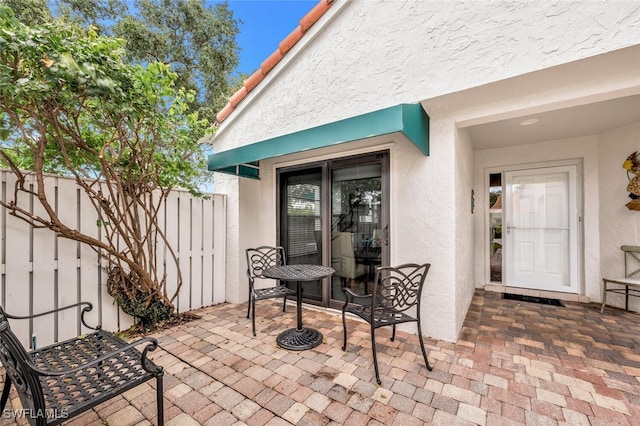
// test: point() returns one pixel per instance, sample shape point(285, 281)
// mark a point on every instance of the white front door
point(542, 229)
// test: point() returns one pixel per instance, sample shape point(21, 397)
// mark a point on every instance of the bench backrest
point(631, 261)
point(16, 360)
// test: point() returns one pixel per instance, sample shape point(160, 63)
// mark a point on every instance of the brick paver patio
point(515, 363)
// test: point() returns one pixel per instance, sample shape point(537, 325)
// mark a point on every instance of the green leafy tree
point(97, 13)
point(70, 104)
point(196, 40)
point(34, 12)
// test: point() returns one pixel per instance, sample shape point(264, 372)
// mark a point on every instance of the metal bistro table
point(299, 338)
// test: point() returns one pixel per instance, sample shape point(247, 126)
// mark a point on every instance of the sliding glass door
point(336, 213)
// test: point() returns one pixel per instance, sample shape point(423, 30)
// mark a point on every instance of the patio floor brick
point(515, 363)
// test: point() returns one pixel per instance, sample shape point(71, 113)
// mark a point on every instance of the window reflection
point(356, 234)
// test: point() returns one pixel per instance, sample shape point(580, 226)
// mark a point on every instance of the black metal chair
point(396, 290)
point(259, 259)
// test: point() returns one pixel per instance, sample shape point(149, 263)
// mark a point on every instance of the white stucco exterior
point(468, 63)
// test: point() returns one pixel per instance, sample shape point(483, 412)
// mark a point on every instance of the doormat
point(532, 299)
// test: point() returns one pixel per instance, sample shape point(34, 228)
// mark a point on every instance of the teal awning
point(408, 119)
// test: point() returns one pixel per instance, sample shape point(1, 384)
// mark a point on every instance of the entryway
point(535, 216)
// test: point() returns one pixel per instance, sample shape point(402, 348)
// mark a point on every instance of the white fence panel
point(91, 276)
point(43, 250)
point(195, 252)
point(206, 252)
point(40, 271)
point(16, 280)
point(184, 238)
point(68, 272)
point(171, 231)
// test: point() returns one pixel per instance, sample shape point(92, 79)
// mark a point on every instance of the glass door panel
point(356, 227)
point(495, 215)
point(302, 230)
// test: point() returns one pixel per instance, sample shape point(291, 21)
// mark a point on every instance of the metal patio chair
point(396, 290)
point(259, 259)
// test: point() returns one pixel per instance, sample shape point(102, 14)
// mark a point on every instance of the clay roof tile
point(314, 14)
point(238, 96)
point(254, 80)
point(273, 59)
point(290, 40)
point(224, 113)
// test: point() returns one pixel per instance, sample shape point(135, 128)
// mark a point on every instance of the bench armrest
point(152, 344)
point(87, 308)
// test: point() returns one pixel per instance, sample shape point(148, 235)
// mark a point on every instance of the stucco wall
point(251, 222)
point(465, 256)
point(229, 185)
point(423, 212)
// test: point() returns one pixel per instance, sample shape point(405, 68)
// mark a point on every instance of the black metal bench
point(60, 381)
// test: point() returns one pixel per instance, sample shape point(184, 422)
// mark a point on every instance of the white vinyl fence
point(40, 272)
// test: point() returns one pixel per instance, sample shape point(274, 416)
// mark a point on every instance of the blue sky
point(265, 23)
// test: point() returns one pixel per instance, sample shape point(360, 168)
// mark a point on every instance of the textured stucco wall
point(465, 255)
point(366, 55)
point(234, 274)
point(423, 212)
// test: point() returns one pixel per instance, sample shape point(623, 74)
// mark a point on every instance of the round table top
point(304, 272)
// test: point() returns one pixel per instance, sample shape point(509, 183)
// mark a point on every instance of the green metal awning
point(407, 119)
